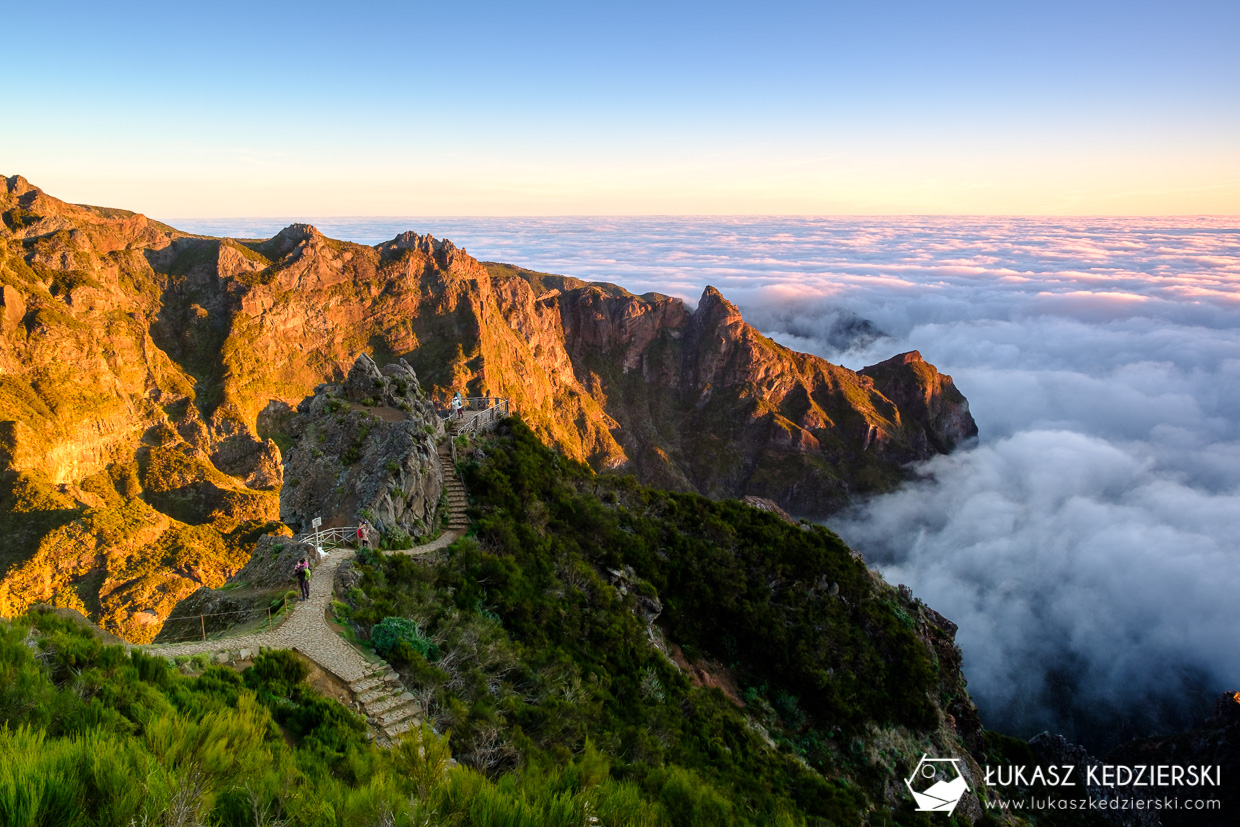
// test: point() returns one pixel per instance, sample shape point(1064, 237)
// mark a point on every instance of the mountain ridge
point(129, 347)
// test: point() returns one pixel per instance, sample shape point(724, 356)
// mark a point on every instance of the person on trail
point(363, 535)
point(303, 577)
point(458, 405)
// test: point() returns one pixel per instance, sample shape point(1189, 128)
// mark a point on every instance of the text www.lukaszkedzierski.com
point(1163, 803)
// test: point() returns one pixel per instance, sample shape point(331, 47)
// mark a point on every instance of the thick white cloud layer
point(1094, 528)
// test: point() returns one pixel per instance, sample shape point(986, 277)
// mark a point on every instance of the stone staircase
point(458, 500)
point(377, 690)
point(388, 708)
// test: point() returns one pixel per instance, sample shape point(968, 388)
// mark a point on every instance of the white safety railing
point(329, 537)
point(480, 414)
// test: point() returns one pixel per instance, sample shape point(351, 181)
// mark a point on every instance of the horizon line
point(396, 216)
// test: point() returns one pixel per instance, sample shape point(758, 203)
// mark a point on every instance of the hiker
point(363, 535)
point(303, 577)
point(458, 406)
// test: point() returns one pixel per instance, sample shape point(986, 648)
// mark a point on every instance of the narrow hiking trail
point(375, 686)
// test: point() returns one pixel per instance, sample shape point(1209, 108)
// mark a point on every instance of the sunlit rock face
point(146, 369)
point(704, 402)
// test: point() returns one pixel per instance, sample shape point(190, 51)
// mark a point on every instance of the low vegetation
point(532, 642)
point(532, 649)
point(91, 735)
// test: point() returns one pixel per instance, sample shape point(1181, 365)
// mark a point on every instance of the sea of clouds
point(1087, 545)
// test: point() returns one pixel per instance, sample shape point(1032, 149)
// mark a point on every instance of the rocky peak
point(365, 450)
point(297, 233)
point(703, 401)
point(912, 357)
point(393, 386)
point(926, 397)
point(409, 240)
point(442, 251)
point(712, 334)
point(292, 237)
point(363, 379)
point(713, 309)
point(17, 186)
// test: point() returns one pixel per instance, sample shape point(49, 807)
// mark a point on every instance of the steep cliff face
point(112, 500)
point(935, 414)
point(702, 401)
point(121, 338)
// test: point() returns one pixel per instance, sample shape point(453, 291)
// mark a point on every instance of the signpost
point(315, 523)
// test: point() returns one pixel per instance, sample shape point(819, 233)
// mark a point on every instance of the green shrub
point(395, 538)
point(391, 632)
point(19, 218)
point(423, 757)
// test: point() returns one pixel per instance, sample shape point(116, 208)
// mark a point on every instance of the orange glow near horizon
point(169, 188)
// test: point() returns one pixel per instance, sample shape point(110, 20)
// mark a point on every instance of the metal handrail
point(338, 536)
point(495, 410)
point(485, 419)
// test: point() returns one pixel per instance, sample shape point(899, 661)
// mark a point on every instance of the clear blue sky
point(478, 108)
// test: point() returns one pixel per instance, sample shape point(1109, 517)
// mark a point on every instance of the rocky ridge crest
point(123, 339)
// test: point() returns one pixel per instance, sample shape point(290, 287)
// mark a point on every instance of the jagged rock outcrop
point(938, 635)
point(209, 611)
point(771, 507)
point(271, 565)
point(703, 401)
point(119, 335)
point(937, 413)
point(365, 449)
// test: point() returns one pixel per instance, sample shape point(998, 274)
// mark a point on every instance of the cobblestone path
point(376, 687)
point(306, 629)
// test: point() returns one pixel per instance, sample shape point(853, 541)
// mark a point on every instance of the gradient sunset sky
point(322, 109)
